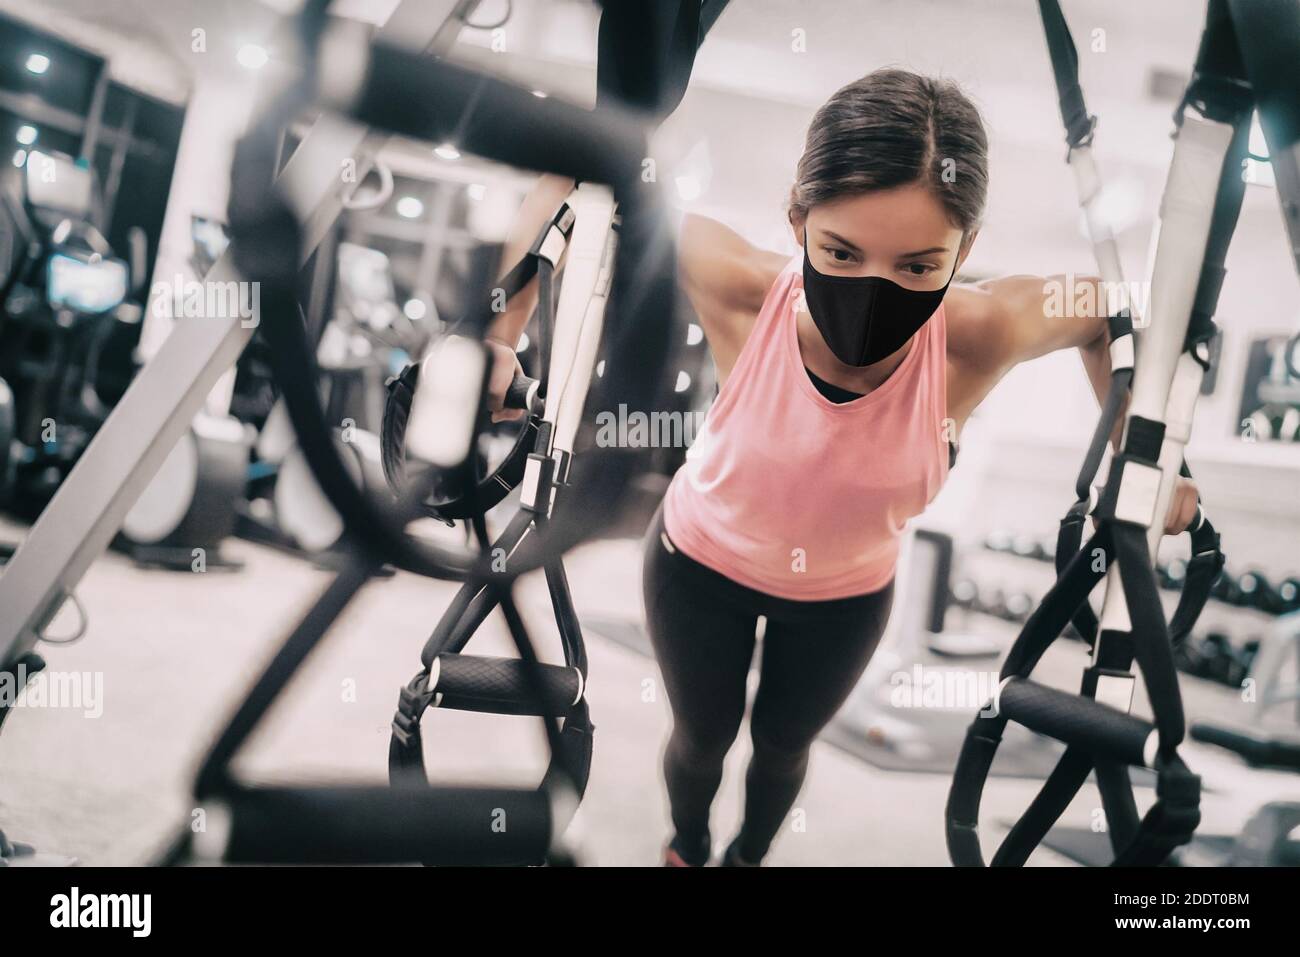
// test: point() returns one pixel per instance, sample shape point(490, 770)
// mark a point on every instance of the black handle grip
point(503, 685)
point(1076, 720)
point(522, 393)
point(1256, 749)
point(405, 91)
point(386, 825)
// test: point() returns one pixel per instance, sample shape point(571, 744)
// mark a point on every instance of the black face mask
point(866, 318)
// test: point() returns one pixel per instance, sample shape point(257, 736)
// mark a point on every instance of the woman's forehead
point(903, 219)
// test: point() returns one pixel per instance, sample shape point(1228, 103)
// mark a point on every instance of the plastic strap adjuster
point(555, 237)
point(552, 246)
point(412, 701)
point(1132, 490)
point(534, 489)
point(1121, 353)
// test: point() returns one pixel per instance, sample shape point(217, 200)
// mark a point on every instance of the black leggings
point(702, 625)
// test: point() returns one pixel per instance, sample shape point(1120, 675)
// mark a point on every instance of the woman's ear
point(965, 248)
point(797, 223)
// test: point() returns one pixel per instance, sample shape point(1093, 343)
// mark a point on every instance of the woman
point(846, 374)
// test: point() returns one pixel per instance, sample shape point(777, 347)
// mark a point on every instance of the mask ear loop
point(956, 262)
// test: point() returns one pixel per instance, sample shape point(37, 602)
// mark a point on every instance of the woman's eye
point(840, 255)
point(918, 269)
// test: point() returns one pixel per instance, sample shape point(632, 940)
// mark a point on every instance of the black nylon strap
point(1068, 537)
point(1122, 819)
point(1058, 605)
point(1144, 439)
point(1115, 396)
point(962, 812)
point(1065, 70)
point(1171, 820)
point(1203, 569)
point(392, 430)
point(1223, 223)
point(1150, 634)
point(1047, 807)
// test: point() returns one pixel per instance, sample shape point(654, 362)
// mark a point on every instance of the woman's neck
point(818, 357)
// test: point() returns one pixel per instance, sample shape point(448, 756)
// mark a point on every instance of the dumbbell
point(963, 594)
point(992, 602)
point(1019, 605)
point(998, 541)
point(1193, 655)
point(1027, 546)
point(1215, 658)
point(1172, 574)
point(1288, 593)
point(1219, 657)
point(1255, 591)
point(1246, 658)
point(1187, 655)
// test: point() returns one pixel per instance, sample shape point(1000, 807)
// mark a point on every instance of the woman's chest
point(884, 459)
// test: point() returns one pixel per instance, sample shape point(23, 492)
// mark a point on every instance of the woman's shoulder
point(721, 266)
point(978, 331)
point(727, 279)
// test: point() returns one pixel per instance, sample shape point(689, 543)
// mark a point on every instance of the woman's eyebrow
point(924, 252)
point(841, 240)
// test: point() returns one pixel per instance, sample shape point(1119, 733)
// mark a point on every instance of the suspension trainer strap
point(1082, 573)
point(1070, 533)
point(1048, 805)
point(1220, 97)
point(1203, 569)
point(1175, 815)
point(1095, 725)
point(1079, 125)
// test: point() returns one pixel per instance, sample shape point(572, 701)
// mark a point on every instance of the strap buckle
point(412, 701)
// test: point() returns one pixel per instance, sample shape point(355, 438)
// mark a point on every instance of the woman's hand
point(505, 366)
point(1182, 506)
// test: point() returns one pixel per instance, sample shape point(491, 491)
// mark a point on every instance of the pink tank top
point(789, 493)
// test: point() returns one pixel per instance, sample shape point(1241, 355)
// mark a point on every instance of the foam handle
point(522, 393)
point(361, 824)
point(1075, 720)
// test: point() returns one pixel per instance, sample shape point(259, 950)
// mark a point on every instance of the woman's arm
point(726, 279)
point(1017, 318)
point(537, 209)
point(503, 332)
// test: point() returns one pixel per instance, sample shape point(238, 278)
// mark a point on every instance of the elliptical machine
point(64, 292)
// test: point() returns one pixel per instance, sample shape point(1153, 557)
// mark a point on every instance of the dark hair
point(891, 128)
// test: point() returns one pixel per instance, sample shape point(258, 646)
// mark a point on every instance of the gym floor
point(178, 650)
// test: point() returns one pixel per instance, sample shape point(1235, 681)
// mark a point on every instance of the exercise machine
point(584, 231)
point(63, 292)
point(391, 84)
